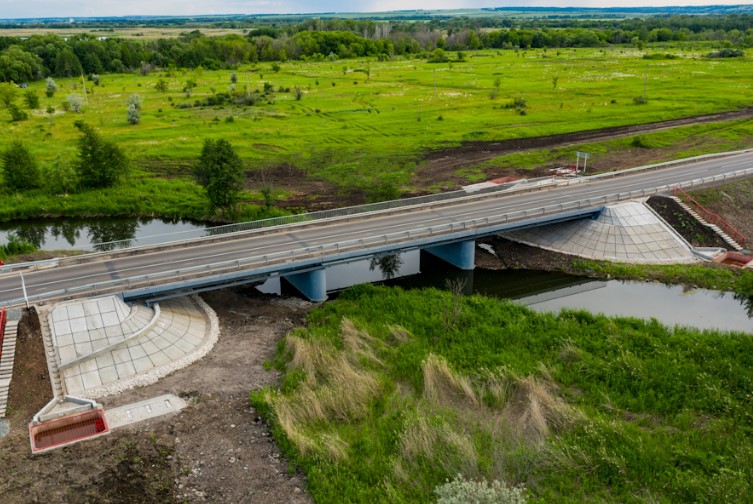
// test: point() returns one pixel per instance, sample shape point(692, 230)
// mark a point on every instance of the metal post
point(23, 286)
point(435, 86)
point(86, 96)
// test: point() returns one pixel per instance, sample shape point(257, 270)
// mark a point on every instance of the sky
point(10, 9)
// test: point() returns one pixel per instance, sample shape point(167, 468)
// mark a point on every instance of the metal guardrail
point(364, 244)
point(516, 186)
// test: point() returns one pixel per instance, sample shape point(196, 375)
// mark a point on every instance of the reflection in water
point(388, 264)
point(102, 234)
point(97, 234)
point(747, 302)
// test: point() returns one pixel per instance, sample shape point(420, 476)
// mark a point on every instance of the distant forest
point(24, 59)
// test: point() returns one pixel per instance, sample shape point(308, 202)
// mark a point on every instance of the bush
point(134, 115)
point(31, 99)
point(462, 491)
point(16, 246)
point(660, 56)
point(640, 100)
point(726, 53)
point(641, 142)
point(75, 103)
point(60, 177)
point(16, 114)
point(50, 87)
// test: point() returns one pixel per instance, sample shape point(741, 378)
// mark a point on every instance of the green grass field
point(388, 393)
point(360, 120)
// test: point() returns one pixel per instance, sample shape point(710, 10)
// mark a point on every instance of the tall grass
point(576, 407)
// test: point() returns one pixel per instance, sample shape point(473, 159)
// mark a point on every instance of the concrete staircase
point(6, 363)
point(49, 352)
point(724, 236)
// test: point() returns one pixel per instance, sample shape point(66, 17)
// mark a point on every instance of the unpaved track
point(472, 153)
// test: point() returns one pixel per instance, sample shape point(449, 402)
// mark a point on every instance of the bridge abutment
point(462, 255)
point(312, 284)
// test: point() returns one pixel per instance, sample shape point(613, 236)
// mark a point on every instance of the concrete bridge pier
point(462, 255)
point(312, 284)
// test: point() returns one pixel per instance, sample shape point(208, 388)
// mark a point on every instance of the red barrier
point(710, 216)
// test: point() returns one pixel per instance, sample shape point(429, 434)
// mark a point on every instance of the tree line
point(40, 56)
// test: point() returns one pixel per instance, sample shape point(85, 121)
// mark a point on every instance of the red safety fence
point(710, 217)
point(3, 321)
point(67, 430)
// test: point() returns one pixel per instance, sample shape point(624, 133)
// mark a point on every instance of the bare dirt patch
point(216, 450)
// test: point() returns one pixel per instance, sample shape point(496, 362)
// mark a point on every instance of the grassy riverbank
point(387, 393)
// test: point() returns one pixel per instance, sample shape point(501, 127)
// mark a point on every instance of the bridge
point(300, 251)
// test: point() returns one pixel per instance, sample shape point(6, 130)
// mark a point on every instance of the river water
point(544, 291)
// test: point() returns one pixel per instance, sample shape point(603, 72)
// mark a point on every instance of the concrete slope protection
point(400, 225)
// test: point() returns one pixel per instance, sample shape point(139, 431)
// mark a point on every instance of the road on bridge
point(266, 241)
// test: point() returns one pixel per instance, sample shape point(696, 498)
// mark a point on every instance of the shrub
point(641, 142)
point(640, 100)
point(462, 491)
point(75, 103)
point(16, 114)
point(16, 246)
point(50, 87)
point(161, 86)
point(726, 53)
point(31, 99)
point(133, 115)
point(60, 177)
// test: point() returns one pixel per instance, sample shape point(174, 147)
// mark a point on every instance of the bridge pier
point(462, 255)
point(312, 284)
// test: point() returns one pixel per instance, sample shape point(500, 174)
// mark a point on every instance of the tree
point(220, 172)
point(100, 162)
point(19, 168)
point(17, 65)
point(67, 64)
point(133, 115)
point(134, 109)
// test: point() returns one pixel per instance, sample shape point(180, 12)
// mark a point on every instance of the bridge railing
point(518, 186)
point(369, 245)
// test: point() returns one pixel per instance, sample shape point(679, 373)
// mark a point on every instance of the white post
point(86, 96)
point(23, 286)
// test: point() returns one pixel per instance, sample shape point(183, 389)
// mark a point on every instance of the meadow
point(387, 393)
point(356, 122)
